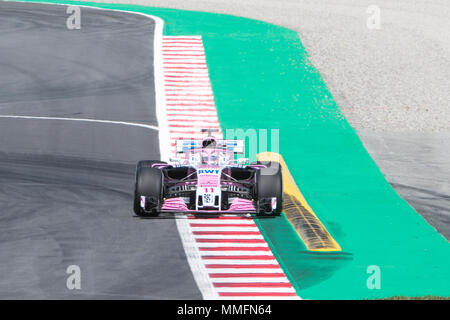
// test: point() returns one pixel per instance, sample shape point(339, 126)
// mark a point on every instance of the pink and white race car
point(208, 178)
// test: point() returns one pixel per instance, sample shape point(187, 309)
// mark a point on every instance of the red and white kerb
point(228, 255)
point(188, 94)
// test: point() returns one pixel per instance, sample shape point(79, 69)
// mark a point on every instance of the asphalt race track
point(66, 185)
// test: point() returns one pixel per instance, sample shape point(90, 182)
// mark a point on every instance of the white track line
point(195, 261)
point(132, 124)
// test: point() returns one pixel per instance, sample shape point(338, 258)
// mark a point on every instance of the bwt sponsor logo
point(208, 171)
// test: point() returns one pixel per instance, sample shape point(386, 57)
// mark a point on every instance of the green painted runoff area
point(262, 78)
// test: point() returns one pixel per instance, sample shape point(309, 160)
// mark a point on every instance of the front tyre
point(147, 164)
point(149, 184)
point(269, 189)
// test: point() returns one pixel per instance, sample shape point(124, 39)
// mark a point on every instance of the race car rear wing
point(235, 146)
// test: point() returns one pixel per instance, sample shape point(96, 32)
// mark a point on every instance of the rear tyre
point(269, 185)
point(149, 183)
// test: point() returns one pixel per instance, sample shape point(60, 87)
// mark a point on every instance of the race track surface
point(66, 186)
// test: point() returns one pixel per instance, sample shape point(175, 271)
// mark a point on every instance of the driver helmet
point(209, 142)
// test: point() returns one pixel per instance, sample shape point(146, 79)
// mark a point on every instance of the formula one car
point(208, 178)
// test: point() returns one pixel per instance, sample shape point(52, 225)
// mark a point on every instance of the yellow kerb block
point(305, 222)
